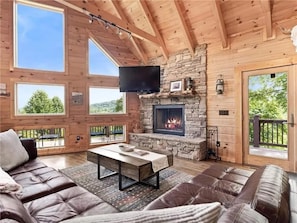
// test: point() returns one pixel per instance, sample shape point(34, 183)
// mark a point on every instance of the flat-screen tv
point(142, 79)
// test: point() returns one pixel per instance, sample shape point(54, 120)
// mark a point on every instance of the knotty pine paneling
point(246, 49)
point(75, 78)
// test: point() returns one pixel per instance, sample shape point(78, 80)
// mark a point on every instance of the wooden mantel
point(177, 94)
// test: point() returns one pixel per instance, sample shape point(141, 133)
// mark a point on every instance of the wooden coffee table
point(137, 169)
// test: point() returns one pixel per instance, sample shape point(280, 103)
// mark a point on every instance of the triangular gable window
point(99, 62)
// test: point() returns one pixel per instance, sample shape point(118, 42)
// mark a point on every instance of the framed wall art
point(175, 86)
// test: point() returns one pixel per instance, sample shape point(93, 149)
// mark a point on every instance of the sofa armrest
point(30, 146)
point(11, 208)
point(271, 198)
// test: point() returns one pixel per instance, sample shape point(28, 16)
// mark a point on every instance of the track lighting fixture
point(120, 32)
point(108, 24)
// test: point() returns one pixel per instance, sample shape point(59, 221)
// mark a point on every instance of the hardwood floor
point(73, 159)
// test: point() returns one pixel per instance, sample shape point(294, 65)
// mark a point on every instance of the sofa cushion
point(206, 213)
point(249, 189)
point(39, 180)
point(67, 203)
point(12, 152)
point(223, 178)
point(242, 213)
point(7, 184)
point(187, 194)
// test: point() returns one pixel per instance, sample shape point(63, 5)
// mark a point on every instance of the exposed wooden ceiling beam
point(184, 27)
point(220, 22)
point(90, 8)
point(135, 43)
point(153, 26)
point(266, 7)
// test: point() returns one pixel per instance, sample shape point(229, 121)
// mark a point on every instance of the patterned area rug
point(133, 198)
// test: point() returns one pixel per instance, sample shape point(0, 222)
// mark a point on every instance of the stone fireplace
point(169, 119)
point(193, 114)
point(176, 121)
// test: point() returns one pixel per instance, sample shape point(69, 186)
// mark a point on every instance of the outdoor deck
point(262, 151)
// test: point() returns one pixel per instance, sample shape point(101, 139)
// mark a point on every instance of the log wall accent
point(247, 49)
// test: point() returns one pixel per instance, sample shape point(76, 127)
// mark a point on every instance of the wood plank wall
point(245, 49)
point(76, 79)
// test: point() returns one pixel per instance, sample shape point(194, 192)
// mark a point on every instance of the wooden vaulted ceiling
point(164, 27)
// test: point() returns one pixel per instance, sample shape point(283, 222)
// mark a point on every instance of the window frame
point(106, 55)
point(124, 112)
point(15, 35)
point(15, 106)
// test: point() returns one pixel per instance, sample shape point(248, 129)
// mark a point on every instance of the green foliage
point(114, 106)
point(57, 105)
point(40, 103)
point(119, 105)
point(268, 99)
point(268, 96)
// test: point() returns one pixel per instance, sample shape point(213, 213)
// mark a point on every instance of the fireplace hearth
point(169, 119)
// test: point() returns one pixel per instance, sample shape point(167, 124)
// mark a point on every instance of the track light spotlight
point(107, 24)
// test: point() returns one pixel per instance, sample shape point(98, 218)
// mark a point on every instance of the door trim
point(251, 159)
point(238, 94)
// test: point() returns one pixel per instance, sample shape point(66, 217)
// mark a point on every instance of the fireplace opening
point(169, 119)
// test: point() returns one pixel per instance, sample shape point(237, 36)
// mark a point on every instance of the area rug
point(133, 198)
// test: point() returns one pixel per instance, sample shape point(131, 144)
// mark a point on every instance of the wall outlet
point(223, 112)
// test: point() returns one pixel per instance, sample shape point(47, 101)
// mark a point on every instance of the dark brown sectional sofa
point(245, 192)
point(246, 196)
point(47, 195)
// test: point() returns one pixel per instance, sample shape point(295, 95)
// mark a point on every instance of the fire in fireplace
point(169, 119)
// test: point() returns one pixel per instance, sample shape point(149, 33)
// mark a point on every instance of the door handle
point(291, 123)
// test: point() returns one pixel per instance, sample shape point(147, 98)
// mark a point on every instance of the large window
point(99, 62)
point(39, 36)
point(39, 99)
point(106, 101)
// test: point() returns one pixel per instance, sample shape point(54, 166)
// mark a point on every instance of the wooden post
point(256, 131)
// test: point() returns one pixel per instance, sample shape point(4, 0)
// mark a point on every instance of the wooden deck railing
point(268, 132)
point(43, 135)
point(106, 130)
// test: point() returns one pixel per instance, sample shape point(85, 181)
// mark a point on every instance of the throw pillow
point(12, 152)
point(206, 213)
point(7, 184)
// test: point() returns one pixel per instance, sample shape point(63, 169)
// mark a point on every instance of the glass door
point(269, 112)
